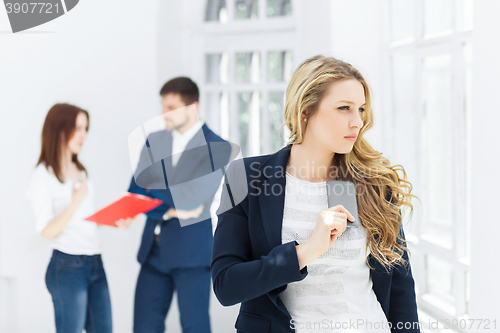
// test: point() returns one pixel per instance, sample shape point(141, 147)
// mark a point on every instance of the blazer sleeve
point(402, 305)
point(237, 276)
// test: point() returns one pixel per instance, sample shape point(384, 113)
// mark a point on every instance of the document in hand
point(127, 206)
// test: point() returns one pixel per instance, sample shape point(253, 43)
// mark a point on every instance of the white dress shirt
point(180, 140)
point(49, 198)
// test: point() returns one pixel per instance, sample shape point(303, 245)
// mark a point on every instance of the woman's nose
point(357, 122)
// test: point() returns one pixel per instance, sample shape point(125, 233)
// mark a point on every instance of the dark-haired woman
point(62, 197)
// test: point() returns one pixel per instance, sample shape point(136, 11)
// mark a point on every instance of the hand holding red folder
point(127, 206)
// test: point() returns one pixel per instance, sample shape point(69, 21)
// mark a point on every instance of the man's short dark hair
point(183, 86)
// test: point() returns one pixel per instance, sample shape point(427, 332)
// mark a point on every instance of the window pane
point(217, 68)
point(216, 11)
point(402, 16)
point(243, 120)
point(404, 112)
point(211, 108)
point(468, 14)
point(224, 115)
point(437, 129)
point(438, 16)
point(280, 65)
point(439, 278)
point(216, 112)
point(275, 109)
point(467, 291)
point(279, 8)
point(468, 111)
point(248, 67)
point(249, 122)
point(245, 9)
point(218, 107)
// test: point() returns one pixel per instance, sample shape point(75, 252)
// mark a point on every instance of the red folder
point(127, 206)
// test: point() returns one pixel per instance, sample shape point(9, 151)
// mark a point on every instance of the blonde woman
point(290, 260)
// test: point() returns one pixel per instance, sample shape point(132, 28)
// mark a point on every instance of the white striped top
point(337, 294)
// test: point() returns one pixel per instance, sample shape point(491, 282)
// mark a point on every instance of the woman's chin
point(346, 150)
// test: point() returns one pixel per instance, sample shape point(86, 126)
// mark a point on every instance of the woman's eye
point(342, 108)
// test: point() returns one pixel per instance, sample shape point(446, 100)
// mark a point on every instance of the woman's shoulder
point(41, 171)
point(249, 164)
point(256, 166)
point(40, 179)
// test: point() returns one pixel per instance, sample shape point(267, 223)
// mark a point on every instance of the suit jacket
point(250, 264)
point(191, 183)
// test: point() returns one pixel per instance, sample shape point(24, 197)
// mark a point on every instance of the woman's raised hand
point(330, 224)
point(188, 214)
point(80, 188)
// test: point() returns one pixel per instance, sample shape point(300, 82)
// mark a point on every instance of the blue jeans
point(79, 292)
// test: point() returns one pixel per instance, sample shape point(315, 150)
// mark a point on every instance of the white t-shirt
point(49, 199)
point(338, 288)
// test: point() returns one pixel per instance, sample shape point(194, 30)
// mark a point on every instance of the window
point(278, 8)
point(246, 79)
point(248, 67)
point(216, 11)
point(429, 58)
point(280, 65)
point(246, 9)
point(217, 68)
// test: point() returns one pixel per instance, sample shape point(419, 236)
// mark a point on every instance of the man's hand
point(186, 214)
point(124, 223)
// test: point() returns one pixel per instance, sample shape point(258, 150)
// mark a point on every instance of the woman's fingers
point(342, 210)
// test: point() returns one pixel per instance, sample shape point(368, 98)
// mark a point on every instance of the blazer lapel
point(168, 159)
point(272, 197)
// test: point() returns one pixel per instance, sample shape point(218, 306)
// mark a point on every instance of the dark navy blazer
point(206, 153)
point(251, 266)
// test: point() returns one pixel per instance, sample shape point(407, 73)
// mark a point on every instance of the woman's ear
point(304, 116)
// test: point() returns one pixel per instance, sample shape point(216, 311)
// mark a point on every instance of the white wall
point(100, 56)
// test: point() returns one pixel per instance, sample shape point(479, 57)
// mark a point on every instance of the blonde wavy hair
point(385, 192)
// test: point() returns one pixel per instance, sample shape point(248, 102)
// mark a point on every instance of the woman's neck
point(310, 163)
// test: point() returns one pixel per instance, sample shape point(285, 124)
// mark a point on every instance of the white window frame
point(423, 47)
point(245, 35)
